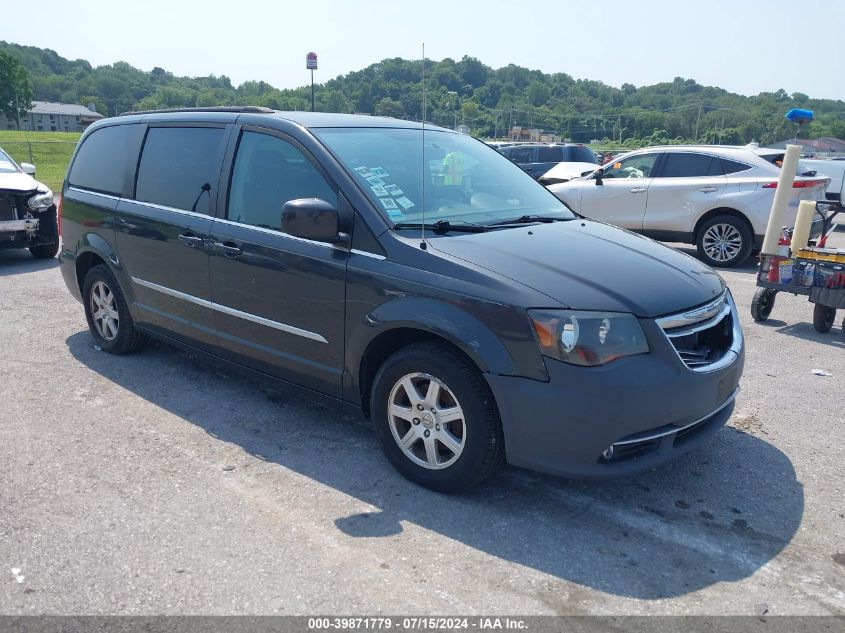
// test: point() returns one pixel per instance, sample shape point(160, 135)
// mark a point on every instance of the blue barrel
point(799, 116)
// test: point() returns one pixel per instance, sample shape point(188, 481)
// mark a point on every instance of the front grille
point(702, 336)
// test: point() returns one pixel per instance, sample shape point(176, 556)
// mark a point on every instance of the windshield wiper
point(441, 227)
point(529, 219)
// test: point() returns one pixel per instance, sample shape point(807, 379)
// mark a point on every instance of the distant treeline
point(465, 92)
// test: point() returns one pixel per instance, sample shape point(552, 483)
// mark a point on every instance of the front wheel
point(107, 313)
point(45, 251)
point(823, 318)
point(724, 241)
point(762, 303)
point(436, 417)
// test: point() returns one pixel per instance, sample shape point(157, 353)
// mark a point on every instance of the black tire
point(126, 338)
point(45, 251)
point(762, 303)
point(823, 318)
point(738, 241)
point(482, 441)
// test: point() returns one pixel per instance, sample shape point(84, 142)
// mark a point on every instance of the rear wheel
point(762, 303)
point(724, 241)
point(823, 318)
point(436, 418)
point(107, 313)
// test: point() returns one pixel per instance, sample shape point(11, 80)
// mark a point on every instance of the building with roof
point(56, 117)
point(820, 147)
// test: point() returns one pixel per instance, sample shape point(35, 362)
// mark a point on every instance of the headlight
point(587, 338)
point(41, 201)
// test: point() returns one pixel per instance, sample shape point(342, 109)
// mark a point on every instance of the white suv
point(716, 197)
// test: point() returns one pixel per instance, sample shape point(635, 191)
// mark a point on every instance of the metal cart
point(818, 273)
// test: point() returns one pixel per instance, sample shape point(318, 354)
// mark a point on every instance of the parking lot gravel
point(159, 484)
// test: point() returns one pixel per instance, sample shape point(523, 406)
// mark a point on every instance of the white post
point(803, 224)
point(781, 200)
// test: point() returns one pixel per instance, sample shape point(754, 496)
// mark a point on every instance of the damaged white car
point(28, 217)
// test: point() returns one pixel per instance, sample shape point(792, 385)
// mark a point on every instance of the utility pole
point(698, 120)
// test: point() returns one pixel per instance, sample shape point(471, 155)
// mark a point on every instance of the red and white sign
point(311, 61)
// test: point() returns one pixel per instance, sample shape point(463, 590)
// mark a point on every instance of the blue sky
point(745, 46)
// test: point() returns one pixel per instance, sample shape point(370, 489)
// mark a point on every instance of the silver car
point(716, 197)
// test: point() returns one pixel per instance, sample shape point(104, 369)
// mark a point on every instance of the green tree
point(99, 104)
point(15, 89)
point(389, 107)
point(538, 93)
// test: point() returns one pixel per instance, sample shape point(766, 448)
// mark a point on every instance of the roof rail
point(252, 109)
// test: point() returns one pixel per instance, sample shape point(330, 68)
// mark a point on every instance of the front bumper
point(650, 408)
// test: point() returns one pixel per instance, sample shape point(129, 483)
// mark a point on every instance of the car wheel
point(724, 241)
point(107, 313)
point(823, 318)
point(762, 303)
point(45, 251)
point(436, 417)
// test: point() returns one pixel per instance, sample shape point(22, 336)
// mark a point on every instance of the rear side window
point(179, 167)
point(100, 163)
point(549, 154)
point(732, 167)
point(580, 155)
point(689, 165)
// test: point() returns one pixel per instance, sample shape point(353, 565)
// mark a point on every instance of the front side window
point(639, 166)
point(521, 155)
point(408, 174)
point(690, 165)
point(179, 167)
point(269, 172)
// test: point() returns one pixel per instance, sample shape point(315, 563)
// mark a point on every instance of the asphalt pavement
point(158, 484)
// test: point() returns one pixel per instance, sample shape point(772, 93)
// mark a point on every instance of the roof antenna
point(423, 245)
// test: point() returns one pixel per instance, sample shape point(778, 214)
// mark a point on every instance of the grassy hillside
point(50, 152)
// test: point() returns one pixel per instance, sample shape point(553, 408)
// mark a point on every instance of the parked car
point(833, 169)
point(27, 212)
point(420, 278)
point(538, 158)
point(716, 197)
point(564, 172)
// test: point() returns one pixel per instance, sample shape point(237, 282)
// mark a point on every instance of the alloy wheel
point(722, 242)
point(104, 311)
point(426, 421)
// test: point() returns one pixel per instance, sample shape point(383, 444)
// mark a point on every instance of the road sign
point(311, 61)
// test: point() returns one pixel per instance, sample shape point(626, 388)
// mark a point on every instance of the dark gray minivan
point(413, 273)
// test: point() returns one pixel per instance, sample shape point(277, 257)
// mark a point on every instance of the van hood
point(18, 181)
point(588, 265)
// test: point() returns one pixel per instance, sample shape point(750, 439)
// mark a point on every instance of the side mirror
point(599, 176)
point(587, 173)
point(28, 168)
point(313, 219)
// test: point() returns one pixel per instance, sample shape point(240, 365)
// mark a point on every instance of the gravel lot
point(156, 484)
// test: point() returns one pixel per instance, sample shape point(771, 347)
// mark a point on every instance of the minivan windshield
point(451, 177)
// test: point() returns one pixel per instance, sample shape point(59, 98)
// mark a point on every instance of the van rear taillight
point(59, 214)
point(798, 184)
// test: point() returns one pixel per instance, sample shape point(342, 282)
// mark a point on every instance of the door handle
point(230, 249)
point(638, 190)
point(709, 189)
point(190, 240)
